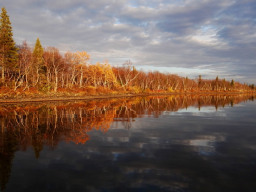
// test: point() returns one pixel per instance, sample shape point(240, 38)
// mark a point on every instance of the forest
point(29, 71)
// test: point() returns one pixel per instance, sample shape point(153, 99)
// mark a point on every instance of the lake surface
point(177, 143)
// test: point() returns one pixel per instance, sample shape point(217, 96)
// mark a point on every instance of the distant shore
point(108, 96)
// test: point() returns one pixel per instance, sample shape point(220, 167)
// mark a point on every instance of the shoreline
point(96, 97)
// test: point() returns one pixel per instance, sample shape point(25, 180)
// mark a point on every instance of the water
point(176, 143)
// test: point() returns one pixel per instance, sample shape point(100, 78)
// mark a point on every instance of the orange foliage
point(72, 74)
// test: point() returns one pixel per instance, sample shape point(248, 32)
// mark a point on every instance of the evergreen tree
point(8, 50)
point(232, 83)
point(38, 53)
point(199, 81)
point(38, 60)
point(217, 83)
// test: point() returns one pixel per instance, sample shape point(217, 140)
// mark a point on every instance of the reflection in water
point(47, 124)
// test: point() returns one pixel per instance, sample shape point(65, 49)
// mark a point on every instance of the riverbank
point(50, 98)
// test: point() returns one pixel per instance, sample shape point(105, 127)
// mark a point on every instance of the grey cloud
point(184, 20)
point(238, 22)
point(160, 33)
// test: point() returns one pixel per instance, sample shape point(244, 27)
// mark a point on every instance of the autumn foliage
point(48, 72)
point(31, 71)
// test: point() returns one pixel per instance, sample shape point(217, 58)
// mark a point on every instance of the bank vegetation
point(36, 71)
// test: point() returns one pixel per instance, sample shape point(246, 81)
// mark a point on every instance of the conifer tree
point(38, 60)
point(38, 53)
point(8, 50)
point(232, 83)
point(199, 81)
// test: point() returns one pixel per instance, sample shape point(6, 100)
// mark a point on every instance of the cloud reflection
point(127, 140)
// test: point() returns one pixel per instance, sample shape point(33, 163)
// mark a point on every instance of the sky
point(185, 37)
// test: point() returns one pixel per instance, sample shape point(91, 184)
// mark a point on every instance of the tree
point(25, 63)
point(232, 83)
point(217, 83)
point(126, 74)
point(252, 86)
point(54, 64)
point(199, 82)
point(24, 67)
point(184, 83)
point(81, 59)
point(38, 60)
point(8, 50)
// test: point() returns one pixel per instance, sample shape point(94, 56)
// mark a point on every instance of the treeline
point(49, 70)
point(26, 69)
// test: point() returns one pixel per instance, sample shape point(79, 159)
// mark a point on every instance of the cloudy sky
point(186, 37)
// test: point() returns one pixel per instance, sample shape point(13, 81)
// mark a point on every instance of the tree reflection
point(46, 124)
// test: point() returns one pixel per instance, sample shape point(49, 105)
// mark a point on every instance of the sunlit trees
point(126, 74)
point(39, 70)
point(8, 50)
point(108, 77)
point(101, 75)
point(70, 67)
point(54, 65)
point(81, 59)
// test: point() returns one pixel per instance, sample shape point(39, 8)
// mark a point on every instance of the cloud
point(159, 33)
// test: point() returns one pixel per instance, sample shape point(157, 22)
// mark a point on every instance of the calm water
point(139, 144)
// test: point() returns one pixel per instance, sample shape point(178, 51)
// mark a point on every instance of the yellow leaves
point(81, 58)
point(101, 74)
